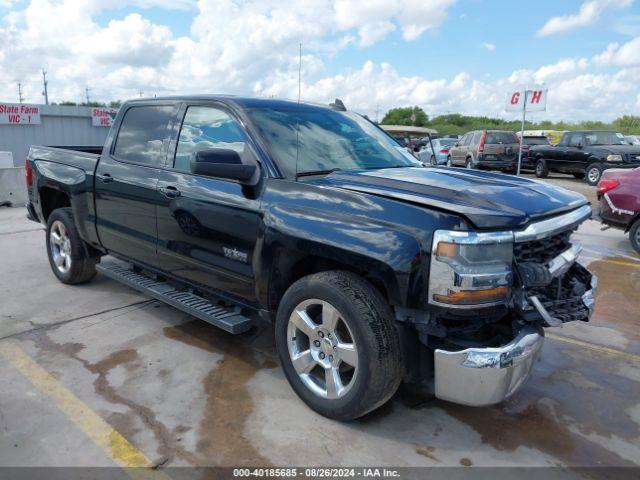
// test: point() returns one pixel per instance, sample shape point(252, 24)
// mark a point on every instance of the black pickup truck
point(373, 268)
point(585, 154)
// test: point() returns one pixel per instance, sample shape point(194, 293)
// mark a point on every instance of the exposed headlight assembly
point(470, 270)
point(614, 158)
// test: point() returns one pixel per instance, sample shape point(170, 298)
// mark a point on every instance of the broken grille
point(544, 250)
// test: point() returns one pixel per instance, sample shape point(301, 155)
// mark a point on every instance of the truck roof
point(244, 102)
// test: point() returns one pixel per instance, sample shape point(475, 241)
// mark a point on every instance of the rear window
point(142, 134)
point(501, 137)
point(536, 140)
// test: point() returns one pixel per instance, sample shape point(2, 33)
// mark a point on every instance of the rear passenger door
point(126, 194)
point(208, 227)
point(457, 152)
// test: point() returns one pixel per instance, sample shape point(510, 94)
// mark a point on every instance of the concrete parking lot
point(98, 375)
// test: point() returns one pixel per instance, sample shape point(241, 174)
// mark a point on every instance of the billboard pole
point(524, 113)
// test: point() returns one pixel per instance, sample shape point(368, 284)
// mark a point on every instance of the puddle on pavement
point(228, 401)
point(618, 296)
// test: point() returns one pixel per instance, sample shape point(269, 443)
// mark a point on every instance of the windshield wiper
point(309, 173)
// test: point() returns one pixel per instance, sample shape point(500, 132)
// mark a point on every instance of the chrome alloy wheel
point(593, 175)
point(322, 349)
point(60, 246)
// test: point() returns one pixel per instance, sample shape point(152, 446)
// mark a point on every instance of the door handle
point(105, 178)
point(169, 191)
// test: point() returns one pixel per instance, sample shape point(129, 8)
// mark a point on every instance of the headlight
point(470, 269)
point(614, 158)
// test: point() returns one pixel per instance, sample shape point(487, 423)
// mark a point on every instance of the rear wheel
point(449, 163)
point(634, 236)
point(69, 257)
point(541, 169)
point(337, 344)
point(593, 174)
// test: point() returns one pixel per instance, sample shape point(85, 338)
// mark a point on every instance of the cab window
point(206, 128)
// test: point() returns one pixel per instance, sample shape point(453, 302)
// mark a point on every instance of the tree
point(406, 116)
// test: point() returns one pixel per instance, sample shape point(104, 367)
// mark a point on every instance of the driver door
point(208, 227)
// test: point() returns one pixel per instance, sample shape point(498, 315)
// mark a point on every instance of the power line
point(45, 92)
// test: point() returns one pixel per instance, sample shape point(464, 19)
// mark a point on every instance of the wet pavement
point(98, 375)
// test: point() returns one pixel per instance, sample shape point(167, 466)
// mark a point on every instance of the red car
point(619, 195)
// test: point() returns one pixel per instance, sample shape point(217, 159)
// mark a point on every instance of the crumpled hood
point(486, 200)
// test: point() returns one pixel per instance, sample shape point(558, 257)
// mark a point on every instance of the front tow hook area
point(486, 376)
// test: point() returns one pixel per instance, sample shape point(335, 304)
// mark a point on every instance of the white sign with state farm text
point(536, 100)
point(19, 114)
point(103, 117)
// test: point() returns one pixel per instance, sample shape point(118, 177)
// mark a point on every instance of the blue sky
point(443, 55)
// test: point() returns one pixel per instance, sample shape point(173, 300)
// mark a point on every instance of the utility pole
point(45, 92)
point(377, 110)
point(300, 73)
point(140, 93)
point(20, 98)
point(86, 92)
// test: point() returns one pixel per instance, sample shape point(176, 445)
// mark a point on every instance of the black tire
point(371, 325)
point(542, 171)
point(469, 164)
point(82, 266)
point(432, 160)
point(634, 235)
point(449, 162)
point(578, 175)
point(593, 174)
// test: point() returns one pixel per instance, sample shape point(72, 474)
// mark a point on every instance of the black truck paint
point(248, 242)
point(585, 154)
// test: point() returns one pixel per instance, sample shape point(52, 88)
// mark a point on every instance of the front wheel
point(593, 174)
point(634, 236)
point(433, 160)
point(69, 257)
point(337, 344)
point(469, 164)
point(449, 163)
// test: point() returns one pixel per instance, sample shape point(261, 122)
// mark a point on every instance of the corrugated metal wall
point(59, 126)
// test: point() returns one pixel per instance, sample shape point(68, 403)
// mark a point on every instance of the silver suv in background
point(438, 154)
point(486, 149)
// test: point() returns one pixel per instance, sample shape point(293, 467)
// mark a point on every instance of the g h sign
point(536, 100)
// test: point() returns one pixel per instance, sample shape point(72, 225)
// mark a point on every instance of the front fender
point(388, 255)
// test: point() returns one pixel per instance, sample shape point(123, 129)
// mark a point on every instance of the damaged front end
point(490, 295)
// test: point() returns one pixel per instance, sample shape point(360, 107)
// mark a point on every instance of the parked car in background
point(587, 154)
point(619, 194)
point(527, 143)
point(438, 154)
point(633, 139)
point(486, 149)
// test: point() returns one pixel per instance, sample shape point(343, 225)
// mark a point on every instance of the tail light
point(482, 139)
point(606, 184)
point(444, 150)
point(28, 173)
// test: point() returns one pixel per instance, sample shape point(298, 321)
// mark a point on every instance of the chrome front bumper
point(485, 376)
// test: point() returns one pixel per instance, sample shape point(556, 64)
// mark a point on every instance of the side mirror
point(222, 163)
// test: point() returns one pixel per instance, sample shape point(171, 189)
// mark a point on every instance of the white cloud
point(625, 55)
point(589, 13)
point(251, 48)
point(489, 46)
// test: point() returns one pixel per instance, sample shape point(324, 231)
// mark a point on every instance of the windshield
point(323, 139)
point(604, 138)
point(447, 142)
